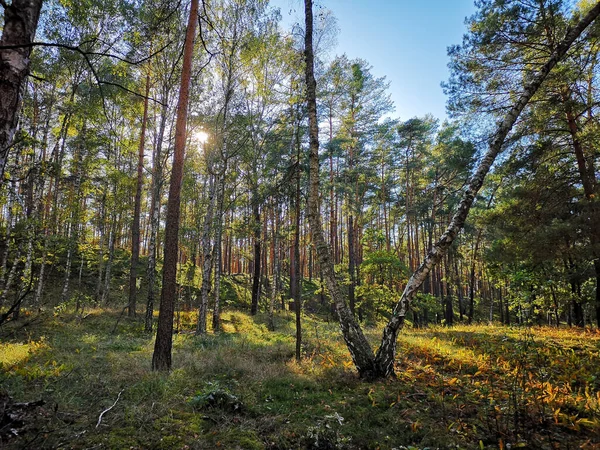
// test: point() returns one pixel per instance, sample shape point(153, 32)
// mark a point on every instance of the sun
point(200, 136)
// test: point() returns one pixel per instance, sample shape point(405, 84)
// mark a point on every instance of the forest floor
point(479, 387)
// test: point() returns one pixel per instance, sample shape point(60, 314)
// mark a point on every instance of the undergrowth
point(479, 387)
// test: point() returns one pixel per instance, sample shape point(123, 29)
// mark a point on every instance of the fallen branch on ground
point(109, 408)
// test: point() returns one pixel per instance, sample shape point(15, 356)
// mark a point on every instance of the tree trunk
point(11, 276)
point(161, 358)
point(8, 235)
point(297, 290)
point(448, 306)
point(101, 238)
point(73, 236)
point(351, 263)
point(360, 350)
point(216, 319)
point(20, 22)
point(135, 227)
point(111, 256)
point(256, 266)
point(386, 354)
point(207, 258)
point(275, 285)
point(155, 214)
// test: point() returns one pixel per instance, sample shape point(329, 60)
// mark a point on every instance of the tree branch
point(86, 55)
point(386, 353)
point(85, 52)
point(109, 408)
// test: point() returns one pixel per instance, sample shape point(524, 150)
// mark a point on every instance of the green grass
point(462, 387)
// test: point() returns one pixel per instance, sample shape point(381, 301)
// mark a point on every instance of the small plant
point(217, 396)
point(326, 434)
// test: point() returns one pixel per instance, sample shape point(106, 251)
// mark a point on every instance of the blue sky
point(405, 40)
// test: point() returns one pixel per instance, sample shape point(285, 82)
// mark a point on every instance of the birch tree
point(381, 364)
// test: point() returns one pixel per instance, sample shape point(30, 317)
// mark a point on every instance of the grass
point(463, 387)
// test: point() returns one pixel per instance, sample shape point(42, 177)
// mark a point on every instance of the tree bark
point(257, 259)
point(207, 258)
point(360, 350)
point(8, 235)
point(295, 283)
point(111, 256)
point(155, 214)
point(351, 263)
point(20, 23)
point(386, 354)
point(135, 227)
point(161, 358)
point(216, 319)
point(73, 236)
point(275, 286)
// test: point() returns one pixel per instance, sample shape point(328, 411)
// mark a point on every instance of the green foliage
point(242, 388)
point(427, 302)
point(214, 395)
point(384, 267)
point(382, 272)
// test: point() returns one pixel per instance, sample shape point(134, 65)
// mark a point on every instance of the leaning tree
point(381, 364)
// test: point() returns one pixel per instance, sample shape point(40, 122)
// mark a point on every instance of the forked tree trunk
point(161, 358)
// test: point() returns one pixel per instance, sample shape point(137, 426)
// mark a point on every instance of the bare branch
point(137, 94)
point(79, 50)
point(109, 408)
point(86, 56)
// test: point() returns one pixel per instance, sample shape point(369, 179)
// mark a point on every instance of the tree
point(360, 350)
point(161, 358)
point(386, 353)
point(135, 227)
point(383, 363)
point(20, 23)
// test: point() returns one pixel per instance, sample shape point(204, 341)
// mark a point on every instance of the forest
point(215, 233)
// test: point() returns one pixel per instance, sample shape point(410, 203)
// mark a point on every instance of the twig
point(108, 409)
